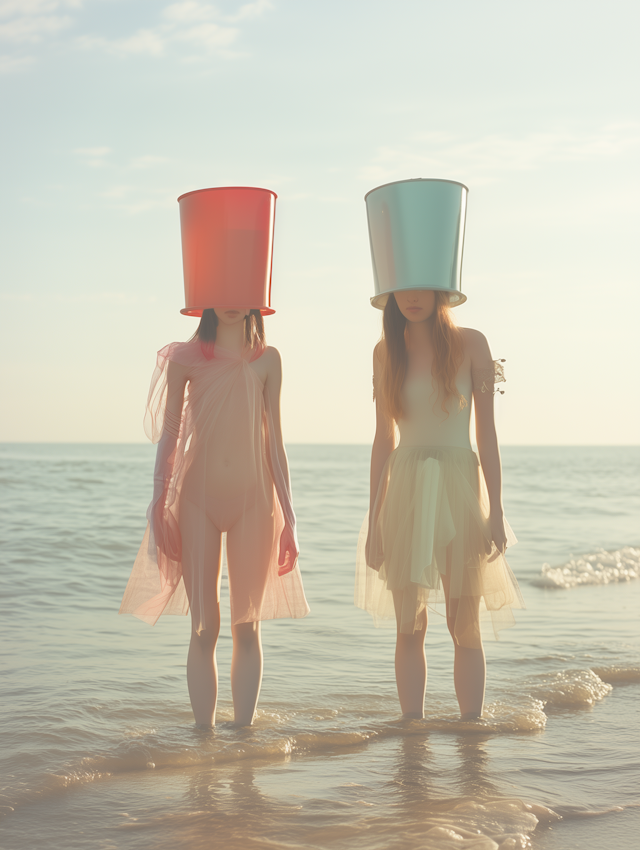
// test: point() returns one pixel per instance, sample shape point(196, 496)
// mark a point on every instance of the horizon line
point(300, 443)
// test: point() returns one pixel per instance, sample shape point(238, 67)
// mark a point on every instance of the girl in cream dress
point(435, 536)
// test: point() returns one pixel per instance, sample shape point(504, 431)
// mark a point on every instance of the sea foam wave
point(280, 735)
point(463, 823)
point(569, 689)
point(280, 739)
point(275, 737)
point(600, 567)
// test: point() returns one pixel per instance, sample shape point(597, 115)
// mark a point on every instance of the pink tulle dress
point(221, 474)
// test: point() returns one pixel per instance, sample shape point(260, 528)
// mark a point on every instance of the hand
point(288, 552)
point(166, 530)
point(157, 519)
point(367, 546)
point(498, 535)
point(157, 515)
point(373, 555)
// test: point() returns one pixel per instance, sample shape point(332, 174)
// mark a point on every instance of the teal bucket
point(416, 232)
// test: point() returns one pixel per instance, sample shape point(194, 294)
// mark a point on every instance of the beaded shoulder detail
point(485, 380)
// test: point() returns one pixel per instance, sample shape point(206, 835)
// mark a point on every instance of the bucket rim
point(222, 188)
point(197, 311)
point(417, 180)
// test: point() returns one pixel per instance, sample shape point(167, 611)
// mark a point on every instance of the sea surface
point(99, 749)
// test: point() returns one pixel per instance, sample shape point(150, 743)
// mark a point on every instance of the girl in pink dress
point(221, 468)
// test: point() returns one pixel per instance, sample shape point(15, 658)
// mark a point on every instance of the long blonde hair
point(447, 348)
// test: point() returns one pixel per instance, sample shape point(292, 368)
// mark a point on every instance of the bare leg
point(469, 675)
point(249, 546)
point(411, 673)
point(411, 668)
point(469, 667)
point(202, 670)
point(246, 671)
point(202, 675)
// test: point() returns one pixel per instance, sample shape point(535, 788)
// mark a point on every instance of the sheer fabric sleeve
point(162, 533)
point(155, 585)
point(162, 426)
point(484, 380)
point(154, 418)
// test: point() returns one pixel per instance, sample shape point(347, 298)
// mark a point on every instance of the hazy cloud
point(30, 22)
point(26, 8)
point(251, 10)
point(98, 157)
point(133, 199)
point(487, 157)
point(194, 10)
point(116, 193)
point(148, 161)
point(93, 151)
point(31, 30)
point(191, 22)
point(15, 64)
point(93, 157)
point(194, 27)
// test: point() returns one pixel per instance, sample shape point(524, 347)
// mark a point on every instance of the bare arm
point(288, 554)
point(486, 437)
point(384, 440)
point(272, 388)
point(176, 383)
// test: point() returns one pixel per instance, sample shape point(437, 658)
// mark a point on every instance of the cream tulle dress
point(218, 476)
point(431, 520)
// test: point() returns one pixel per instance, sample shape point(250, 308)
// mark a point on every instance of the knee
point(207, 639)
point(463, 622)
point(460, 615)
point(246, 636)
point(465, 636)
point(411, 642)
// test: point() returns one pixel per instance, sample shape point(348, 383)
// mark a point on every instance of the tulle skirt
point(430, 527)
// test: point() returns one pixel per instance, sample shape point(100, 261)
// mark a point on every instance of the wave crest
point(600, 567)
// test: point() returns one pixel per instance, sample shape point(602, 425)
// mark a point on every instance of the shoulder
point(271, 357)
point(378, 354)
point(475, 344)
point(272, 364)
point(182, 353)
point(178, 358)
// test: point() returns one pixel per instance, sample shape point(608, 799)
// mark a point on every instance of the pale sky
point(112, 108)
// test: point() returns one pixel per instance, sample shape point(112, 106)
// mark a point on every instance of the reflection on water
point(422, 800)
point(229, 805)
point(415, 775)
point(473, 771)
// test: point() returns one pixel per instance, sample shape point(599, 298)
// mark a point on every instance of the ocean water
point(98, 744)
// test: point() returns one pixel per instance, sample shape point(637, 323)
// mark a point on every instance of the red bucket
point(227, 248)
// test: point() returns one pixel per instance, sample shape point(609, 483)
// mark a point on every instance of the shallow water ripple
point(99, 745)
